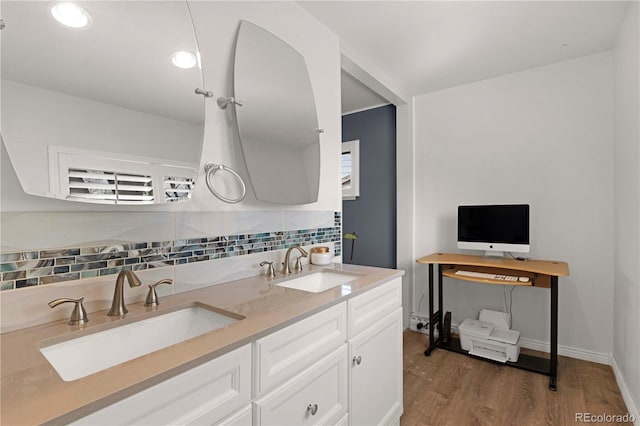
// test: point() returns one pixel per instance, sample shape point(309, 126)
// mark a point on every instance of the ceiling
point(122, 58)
point(358, 97)
point(424, 46)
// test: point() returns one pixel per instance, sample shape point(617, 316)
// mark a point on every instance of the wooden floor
point(453, 389)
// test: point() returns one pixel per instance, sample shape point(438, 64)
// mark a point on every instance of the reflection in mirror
point(350, 170)
point(98, 101)
point(277, 121)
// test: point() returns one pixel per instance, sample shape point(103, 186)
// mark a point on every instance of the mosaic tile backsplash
point(40, 267)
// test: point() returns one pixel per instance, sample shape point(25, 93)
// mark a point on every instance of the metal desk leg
point(432, 342)
point(553, 361)
point(441, 316)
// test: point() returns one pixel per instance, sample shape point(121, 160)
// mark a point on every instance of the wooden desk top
point(546, 267)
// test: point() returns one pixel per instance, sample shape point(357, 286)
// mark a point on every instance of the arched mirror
point(98, 101)
point(277, 120)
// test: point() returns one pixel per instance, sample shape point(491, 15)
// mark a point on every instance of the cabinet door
point(375, 364)
point(317, 396)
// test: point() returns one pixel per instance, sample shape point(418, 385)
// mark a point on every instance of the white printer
point(488, 339)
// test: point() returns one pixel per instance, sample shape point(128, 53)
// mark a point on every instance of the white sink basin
point(82, 356)
point(319, 281)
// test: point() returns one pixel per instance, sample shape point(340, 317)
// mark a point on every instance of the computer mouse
point(523, 279)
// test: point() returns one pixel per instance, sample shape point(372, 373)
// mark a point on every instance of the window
point(350, 170)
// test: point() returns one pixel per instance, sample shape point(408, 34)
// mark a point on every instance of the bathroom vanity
point(291, 357)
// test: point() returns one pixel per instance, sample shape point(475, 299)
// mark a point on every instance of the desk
point(541, 273)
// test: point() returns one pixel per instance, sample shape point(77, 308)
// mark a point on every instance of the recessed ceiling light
point(183, 59)
point(71, 15)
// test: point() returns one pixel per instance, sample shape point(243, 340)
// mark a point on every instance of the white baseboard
point(571, 352)
point(624, 390)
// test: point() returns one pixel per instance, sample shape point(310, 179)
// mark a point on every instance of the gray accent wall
point(373, 214)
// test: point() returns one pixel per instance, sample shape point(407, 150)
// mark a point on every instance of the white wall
point(626, 290)
point(542, 137)
point(405, 198)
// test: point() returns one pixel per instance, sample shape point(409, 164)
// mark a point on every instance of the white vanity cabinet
point(375, 355)
point(205, 394)
point(340, 366)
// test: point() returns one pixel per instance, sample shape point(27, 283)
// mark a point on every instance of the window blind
point(110, 187)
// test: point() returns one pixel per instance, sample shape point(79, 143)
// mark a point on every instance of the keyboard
point(487, 275)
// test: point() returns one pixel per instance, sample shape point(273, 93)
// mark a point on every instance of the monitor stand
point(492, 253)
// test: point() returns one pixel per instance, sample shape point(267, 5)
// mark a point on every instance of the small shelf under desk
point(541, 274)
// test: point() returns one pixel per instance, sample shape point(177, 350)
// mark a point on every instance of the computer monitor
point(494, 228)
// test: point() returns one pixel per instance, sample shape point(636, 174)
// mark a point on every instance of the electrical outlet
point(418, 323)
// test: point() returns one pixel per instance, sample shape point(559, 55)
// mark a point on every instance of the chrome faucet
point(285, 264)
point(118, 308)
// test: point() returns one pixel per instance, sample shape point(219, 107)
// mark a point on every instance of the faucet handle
point(298, 265)
point(78, 315)
point(152, 296)
point(271, 271)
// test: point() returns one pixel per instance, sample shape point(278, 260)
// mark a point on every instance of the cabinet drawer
point(369, 307)
point(318, 396)
point(283, 354)
point(204, 394)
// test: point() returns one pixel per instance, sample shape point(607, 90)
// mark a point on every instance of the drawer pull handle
point(312, 408)
point(357, 360)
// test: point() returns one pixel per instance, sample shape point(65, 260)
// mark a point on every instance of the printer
point(490, 337)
